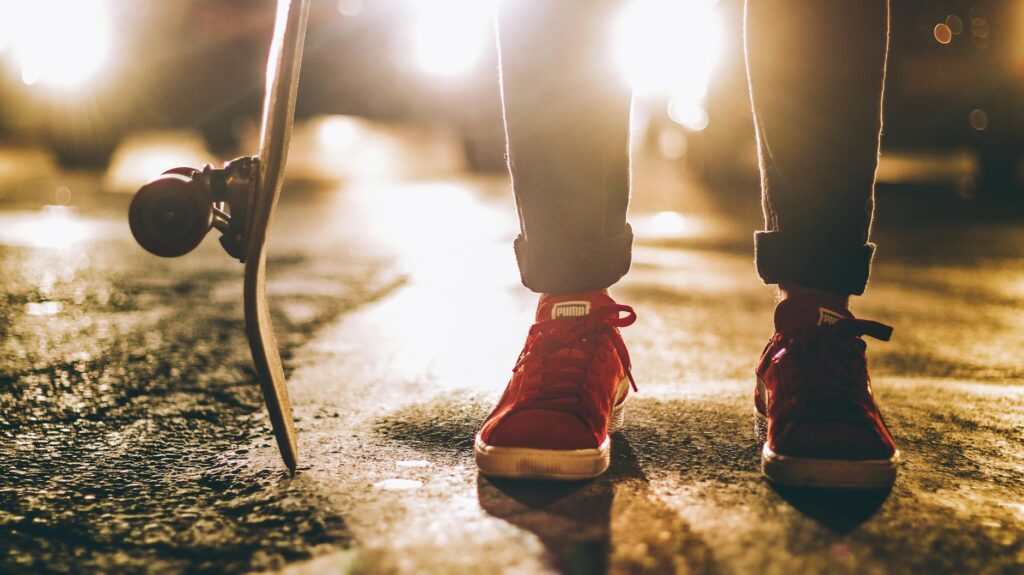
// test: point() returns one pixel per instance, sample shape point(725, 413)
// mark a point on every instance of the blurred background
point(84, 83)
point(132, 431)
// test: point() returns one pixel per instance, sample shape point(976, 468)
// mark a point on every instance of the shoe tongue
point(796, 314)
point(568, 306)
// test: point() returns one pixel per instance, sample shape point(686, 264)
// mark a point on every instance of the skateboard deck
point(172, 214)
point(283, 65)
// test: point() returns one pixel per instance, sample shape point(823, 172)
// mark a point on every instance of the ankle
point(574, 295)
point(827, 298)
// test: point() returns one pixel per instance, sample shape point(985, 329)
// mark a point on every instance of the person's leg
point(567, 122)
point(816, 71)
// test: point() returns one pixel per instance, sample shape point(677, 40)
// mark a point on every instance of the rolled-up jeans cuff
point(556, 267)
point(783, 257)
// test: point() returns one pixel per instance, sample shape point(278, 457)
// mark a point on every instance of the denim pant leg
point(816, 71)
point(567, 124)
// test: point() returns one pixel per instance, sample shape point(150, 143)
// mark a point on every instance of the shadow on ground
point(617, 522)
point(841, 511)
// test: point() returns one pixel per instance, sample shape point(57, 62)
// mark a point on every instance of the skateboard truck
point(171, 215)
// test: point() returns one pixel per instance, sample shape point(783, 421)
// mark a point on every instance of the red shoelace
point(560, 354)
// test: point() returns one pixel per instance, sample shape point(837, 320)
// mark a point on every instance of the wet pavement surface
point(133, 437)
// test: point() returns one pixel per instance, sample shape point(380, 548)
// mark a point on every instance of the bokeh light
point(668, 47)
point(450, 36)
point(978, 119)
point(145, 155)
point(688, 113)
point(59, 43)
point(350, 8)
point(956, 25)
point(52, 227)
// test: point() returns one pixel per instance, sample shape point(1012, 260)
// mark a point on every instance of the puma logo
point(570, 309)
point(828, 317)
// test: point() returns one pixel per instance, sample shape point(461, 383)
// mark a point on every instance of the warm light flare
point(450, 36)
point(669, 224)
point(144, 156)
point(53, 227)
point(688, 113)
point(59, 43)
point(326, 148)
point(668, 47)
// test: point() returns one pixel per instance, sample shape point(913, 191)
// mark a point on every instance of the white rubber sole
point(524, 463)
point(556, 464)
point(826, 473)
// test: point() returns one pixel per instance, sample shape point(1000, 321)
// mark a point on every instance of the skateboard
point(172, 214)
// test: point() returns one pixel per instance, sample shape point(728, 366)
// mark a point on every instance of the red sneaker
point(816, 414)
point(566, 395)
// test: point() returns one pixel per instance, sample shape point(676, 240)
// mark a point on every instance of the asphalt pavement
point(133, 437)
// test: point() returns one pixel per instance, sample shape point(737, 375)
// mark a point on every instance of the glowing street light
point(670, 49)
point(60, 43)
point(450, 36)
